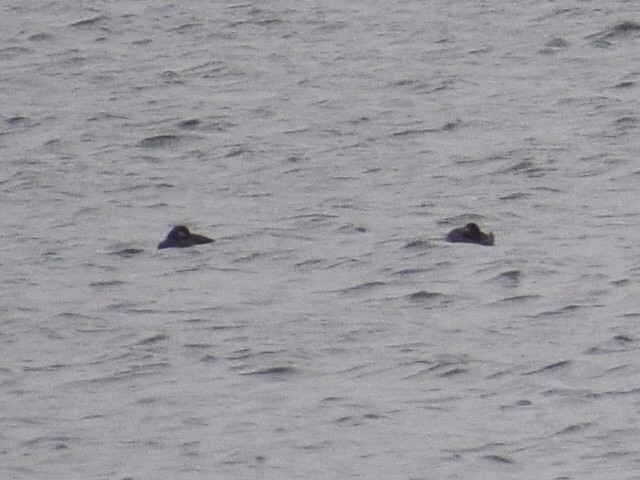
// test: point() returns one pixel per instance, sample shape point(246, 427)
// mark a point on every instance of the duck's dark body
point(181, 237)
point(470, 233)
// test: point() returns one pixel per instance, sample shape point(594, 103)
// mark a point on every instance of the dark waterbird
point(470, 233)
point(181, 237)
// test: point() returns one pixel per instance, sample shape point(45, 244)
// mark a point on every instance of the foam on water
point(330, 331)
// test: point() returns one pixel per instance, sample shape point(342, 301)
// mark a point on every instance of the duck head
point(470, 233)
point(181, 237)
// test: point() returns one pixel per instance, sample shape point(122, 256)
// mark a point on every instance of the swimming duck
point(470, 233)
point(181, 237)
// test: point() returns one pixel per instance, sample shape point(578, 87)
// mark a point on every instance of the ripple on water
point(509, 279)
point(552, 367)
point(424, 297)
point(617, 343)
point(159, 141)
point(276, 373)
point(363, 287)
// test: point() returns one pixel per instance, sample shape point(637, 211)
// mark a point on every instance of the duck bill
point(196, 239)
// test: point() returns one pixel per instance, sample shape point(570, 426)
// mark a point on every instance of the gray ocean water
point(330, 332)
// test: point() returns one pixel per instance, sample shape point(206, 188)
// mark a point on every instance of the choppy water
point(329, 332)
